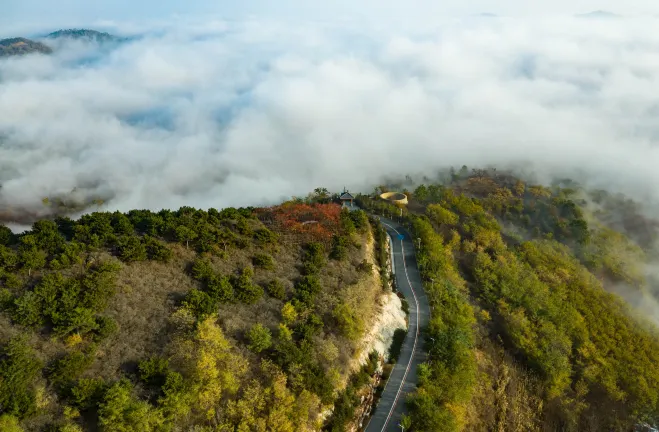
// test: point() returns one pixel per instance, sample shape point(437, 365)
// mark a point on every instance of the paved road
point(403, 378)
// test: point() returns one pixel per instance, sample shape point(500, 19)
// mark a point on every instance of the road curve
point(403, 378)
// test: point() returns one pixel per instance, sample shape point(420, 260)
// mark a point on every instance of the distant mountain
point(83, 34)
point(22, 46)
point(598, 14)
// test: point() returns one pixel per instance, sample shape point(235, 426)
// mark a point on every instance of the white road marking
point(416, 334)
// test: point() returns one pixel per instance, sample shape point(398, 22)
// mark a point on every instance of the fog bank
point(235, 113)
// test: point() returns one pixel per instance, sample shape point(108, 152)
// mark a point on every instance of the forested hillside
point(22, 46)
point(83, 34)
point(251, 319)
point(19, 46)
point(526, 334)
point(239, 319)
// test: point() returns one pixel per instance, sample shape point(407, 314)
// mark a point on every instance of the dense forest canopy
point(250, 319)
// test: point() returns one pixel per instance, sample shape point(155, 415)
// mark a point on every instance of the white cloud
point(244, 113)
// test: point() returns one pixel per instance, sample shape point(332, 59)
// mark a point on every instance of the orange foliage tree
point(304, 222)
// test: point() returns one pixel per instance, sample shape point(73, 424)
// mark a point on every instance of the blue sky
point(32, 14)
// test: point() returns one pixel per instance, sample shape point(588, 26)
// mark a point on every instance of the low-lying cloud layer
point(246, 113)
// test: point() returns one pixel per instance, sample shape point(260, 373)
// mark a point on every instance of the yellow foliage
point(459, 411)
point(70, 427)
point(71, 412)
point(285, 333)
point(41, 397)
point(441, 215)
point(9, 423)
point(288, 313)
point(214, 370)
point(454, 241)
point(539, 191)
point(245, 411)
point(73, 340)
point(334, 376)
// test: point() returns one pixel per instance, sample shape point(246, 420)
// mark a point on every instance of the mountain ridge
point(19, 46)
point(84, 34)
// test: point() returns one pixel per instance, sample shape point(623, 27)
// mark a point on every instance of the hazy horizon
point(29, 16)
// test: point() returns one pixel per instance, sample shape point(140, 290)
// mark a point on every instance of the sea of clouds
point(221, 113)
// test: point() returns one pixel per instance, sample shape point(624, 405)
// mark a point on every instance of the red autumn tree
point(305, 222)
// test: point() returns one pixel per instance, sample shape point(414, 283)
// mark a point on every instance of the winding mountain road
point(403, 378)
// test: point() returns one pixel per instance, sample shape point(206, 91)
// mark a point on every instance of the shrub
point(396, 345)
point(105, 327)
point(131, 248)
point(98, 286)
point(405, 306)
point(348, 321)
point(349, 399)
point(202, 269)
point(79, 320)
point(154, 370)
point(32, 259)
point(121, 411)
point(220, 289)
point(200, 303)
point(307, 288)
point(260, 338)
point(365, 267)
point(9, 423)
point(264, 261)
point(314, 253)
point(265, 236)
point(19, 368)
point(73, 340)
point(8, 258)
point(245, 290)
point(70, 254)
point(347, 224)
point(309, 268)
point(69, 367)
point(288, 313)
point(276, 289)
point(340, 248)
point(242, 226)
point(88, 392)
point(27, 310)
point(156, 250)
point(312, 326)
point(13, 282)
point(241, 243)
point(6, 236)
point(6, 299)
point(70, 427)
